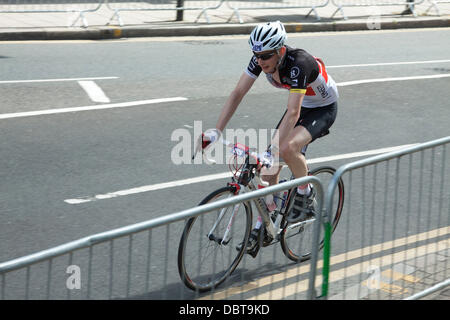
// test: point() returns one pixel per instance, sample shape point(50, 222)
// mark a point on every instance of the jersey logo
point(295, 71)
point(257, 46)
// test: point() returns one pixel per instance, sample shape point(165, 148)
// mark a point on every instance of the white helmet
point(267, 36)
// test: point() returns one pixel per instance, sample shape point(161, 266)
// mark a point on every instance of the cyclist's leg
point(289, 150)
point(313, 124)
point(271, 175)
point(317, 121)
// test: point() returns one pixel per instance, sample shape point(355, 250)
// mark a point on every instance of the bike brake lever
point(199, 148)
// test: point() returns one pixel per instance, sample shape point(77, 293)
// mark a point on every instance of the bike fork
point(226, 238)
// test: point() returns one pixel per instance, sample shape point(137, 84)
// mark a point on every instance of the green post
point(326, 259)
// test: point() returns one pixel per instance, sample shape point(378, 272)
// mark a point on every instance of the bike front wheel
point(297, 238)
point(209, 248)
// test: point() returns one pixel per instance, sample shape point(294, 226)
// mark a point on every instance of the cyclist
point(311, 107)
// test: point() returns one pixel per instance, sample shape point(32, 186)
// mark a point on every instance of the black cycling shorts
point(316, 120)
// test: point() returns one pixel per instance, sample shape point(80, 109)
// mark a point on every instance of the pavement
point(97, 25)
point(404, 280)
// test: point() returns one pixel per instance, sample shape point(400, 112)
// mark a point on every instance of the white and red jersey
point(301, 72)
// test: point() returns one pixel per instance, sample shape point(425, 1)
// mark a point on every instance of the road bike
point(213, 244)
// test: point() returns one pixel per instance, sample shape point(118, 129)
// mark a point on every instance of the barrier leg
point(83, 19)
point(313, 9)
point(203, 13)
point(115, 16)
point(412, 9)
point(238, 16)
point(433, 5)
point(339, 9)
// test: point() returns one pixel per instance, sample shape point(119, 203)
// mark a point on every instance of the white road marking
point(136, 103)
point(89, 108)
point(94, 91)
point(386, 64)
point(152, 187)
point(218, 176)
point(355, 82)
point(359, 154)
point(57, 80)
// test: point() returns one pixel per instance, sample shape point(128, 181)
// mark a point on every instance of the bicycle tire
point(195, 279)
point(297, 254)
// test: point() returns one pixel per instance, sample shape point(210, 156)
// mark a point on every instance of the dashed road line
point(224, 175)
point(89, 108)
point(379, 64)
point(356, 82)
point(94, 91)
point(56, 80)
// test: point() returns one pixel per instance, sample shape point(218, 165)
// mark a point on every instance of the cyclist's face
point(267, 65)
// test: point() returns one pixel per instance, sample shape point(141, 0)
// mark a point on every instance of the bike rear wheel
point(297, 238)
point(205, 256)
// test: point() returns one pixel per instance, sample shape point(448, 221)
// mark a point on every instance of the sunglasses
point(265, 56)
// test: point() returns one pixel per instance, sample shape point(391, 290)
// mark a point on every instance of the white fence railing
point(179, 6)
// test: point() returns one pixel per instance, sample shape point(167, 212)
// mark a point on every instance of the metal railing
point(435, 5)
point(341, 4)
point(394, 234)
point(80, 7)
point(143, 5)
point(392, 242)
point(136, 261)
point(276, 4)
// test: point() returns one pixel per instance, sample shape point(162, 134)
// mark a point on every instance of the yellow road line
point(358, 253)
point(395, 275)
point(355, 269)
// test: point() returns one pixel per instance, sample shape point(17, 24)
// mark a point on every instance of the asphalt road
point(47, 159)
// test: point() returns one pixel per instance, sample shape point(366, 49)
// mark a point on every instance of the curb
point(99, 33)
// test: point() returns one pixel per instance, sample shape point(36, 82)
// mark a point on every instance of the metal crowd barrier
point(140, 261)
point(53, 6)
point(81, 7)
point(142, 5)
point(341, 4)
point(393, 240)
point(435, 4)
point(275, 4)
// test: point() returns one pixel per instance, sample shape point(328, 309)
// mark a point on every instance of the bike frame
point(246, 184)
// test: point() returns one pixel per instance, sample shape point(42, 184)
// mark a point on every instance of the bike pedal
point(254, 251)
point(267, 241)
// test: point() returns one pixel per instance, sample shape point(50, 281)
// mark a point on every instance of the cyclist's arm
point(294, 106)
point(233, 101)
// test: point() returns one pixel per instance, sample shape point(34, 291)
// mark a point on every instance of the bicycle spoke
point(204, 265)
point(297, 238)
